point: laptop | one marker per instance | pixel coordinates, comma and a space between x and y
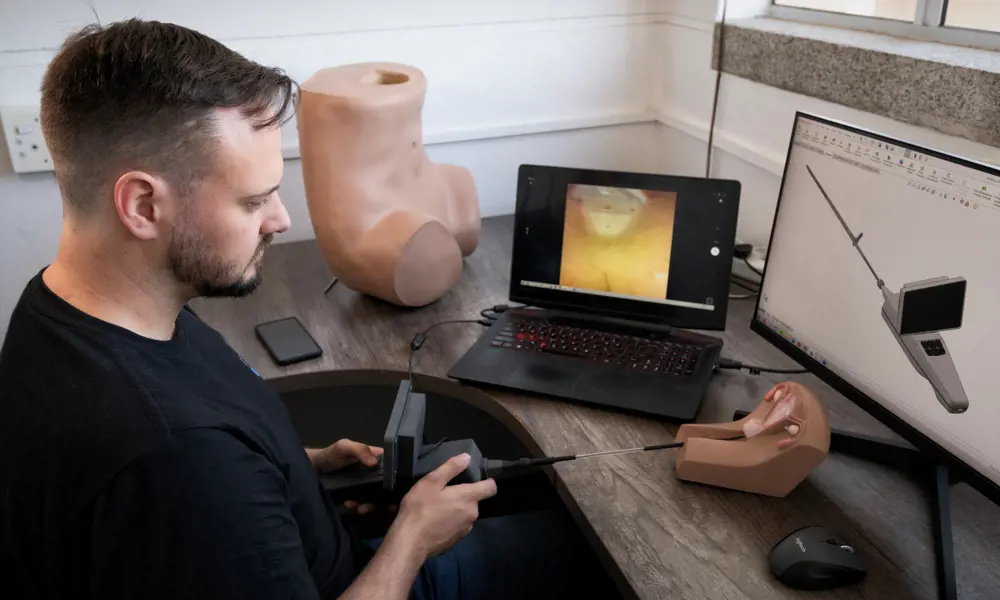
622, 275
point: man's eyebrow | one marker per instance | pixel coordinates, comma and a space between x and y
262, 194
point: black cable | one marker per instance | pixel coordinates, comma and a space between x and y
727, 363
427, 451
718, 86
753, 268
421, 337
745, 286
497, 310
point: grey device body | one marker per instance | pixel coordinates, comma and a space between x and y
937, 366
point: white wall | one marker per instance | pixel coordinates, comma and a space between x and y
754, 121
554, 82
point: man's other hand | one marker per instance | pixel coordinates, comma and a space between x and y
343, 453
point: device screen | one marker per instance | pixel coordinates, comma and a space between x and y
288, 341
934, 308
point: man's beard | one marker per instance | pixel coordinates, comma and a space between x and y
194, 264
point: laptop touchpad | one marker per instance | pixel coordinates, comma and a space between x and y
614, 380
546, 375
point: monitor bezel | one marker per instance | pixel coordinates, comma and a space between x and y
960, 470
662, 314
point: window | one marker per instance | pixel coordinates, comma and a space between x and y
964, 22
973, 14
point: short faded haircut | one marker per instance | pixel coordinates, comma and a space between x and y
141, 95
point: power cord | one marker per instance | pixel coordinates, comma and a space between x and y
727, 363
427, 451
746, 261
421, 337
494, 312
718, 85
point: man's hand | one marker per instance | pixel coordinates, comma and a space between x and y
435, 515
343, 453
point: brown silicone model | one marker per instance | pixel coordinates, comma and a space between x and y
390, 223
787, 436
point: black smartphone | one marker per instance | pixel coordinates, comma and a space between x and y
287, 341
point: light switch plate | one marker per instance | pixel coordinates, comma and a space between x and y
22, 128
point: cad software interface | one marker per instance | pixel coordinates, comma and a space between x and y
884, 267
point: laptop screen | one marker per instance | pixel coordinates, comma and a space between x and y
653, 247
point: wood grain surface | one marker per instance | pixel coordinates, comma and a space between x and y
661, 538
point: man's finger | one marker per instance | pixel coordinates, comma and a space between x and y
359, 451
364, 509
479, 490
376, 450
350, 504
449, 469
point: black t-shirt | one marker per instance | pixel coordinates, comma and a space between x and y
137, 468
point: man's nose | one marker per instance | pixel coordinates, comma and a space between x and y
278, 221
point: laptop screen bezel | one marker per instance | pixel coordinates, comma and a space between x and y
663, 314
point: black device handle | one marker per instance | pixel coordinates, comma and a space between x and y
366, 484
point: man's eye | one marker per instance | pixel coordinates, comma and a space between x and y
253, 205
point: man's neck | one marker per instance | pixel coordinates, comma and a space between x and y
108, 285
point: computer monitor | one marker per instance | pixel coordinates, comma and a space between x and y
882, 278
635, 245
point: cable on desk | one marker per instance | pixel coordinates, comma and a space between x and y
746, 286
493, 312
421, 337
727, 363
753, 268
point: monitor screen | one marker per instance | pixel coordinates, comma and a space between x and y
882, 274
636, 245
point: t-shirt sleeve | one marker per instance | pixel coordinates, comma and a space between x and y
200, 516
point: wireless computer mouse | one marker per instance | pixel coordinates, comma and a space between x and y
815, 558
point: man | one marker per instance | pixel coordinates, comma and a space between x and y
139, 456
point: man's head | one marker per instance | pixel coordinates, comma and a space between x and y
165, 140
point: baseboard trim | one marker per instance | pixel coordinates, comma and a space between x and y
501, 130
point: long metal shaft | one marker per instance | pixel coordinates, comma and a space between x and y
855, 240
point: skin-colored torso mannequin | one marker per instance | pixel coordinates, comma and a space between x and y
390, 222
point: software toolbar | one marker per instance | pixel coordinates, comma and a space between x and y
928, 175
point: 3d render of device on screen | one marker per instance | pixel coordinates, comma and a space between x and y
916, 316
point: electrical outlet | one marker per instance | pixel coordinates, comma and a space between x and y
22, 128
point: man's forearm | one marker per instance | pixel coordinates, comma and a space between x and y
391, 572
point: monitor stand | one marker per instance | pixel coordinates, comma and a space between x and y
938, 483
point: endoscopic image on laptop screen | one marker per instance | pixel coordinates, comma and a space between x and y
617, 241
630, 243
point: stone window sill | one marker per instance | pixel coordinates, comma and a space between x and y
950, 89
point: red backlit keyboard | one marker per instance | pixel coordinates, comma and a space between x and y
634, 352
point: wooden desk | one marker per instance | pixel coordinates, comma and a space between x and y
660, 537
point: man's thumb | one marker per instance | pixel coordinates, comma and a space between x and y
449, 469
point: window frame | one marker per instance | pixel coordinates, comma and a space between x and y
927, 24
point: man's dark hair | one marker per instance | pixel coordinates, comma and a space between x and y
140, 95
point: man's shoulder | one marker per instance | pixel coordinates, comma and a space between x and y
61, 379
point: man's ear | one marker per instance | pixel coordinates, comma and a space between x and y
141, 202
